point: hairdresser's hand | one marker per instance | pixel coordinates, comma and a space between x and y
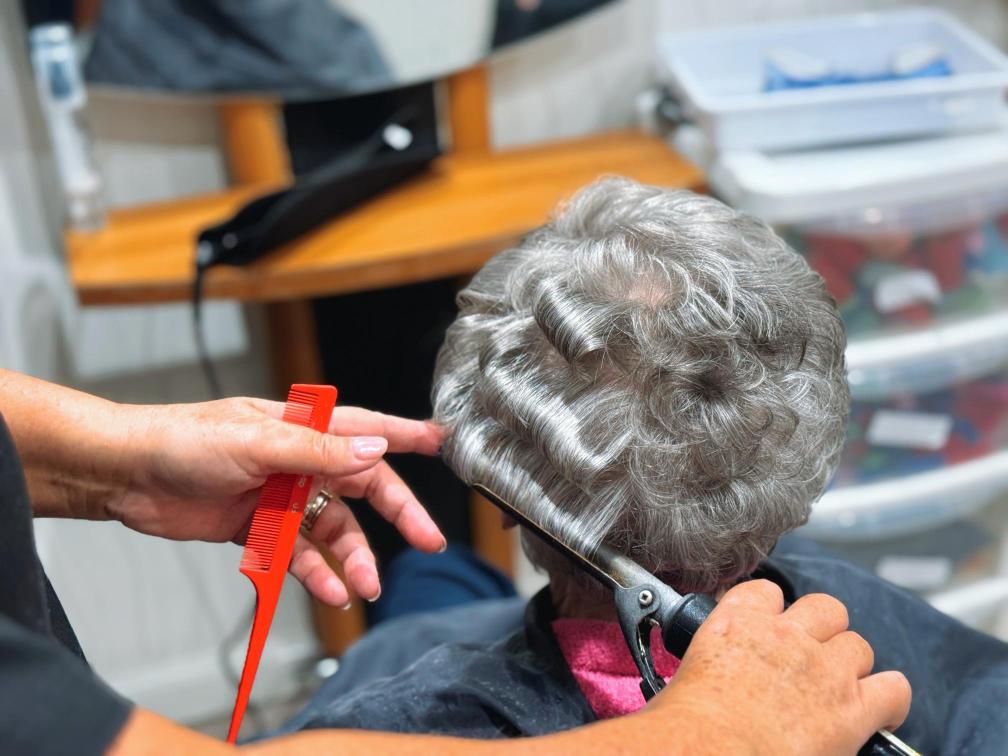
769, 681
192, 471
197, 469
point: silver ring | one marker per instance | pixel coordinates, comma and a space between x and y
314, 510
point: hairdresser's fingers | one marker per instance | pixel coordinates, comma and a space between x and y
283, 447
419, 436
394, 501
337, 528
310, 567
848, 650
886, 696
821, 616
753, 595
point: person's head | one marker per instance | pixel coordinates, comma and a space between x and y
651, 369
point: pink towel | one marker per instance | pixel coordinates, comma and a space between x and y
601, 663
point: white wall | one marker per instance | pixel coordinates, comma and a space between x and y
425, 40
167, 606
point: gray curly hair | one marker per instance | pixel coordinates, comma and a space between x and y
651, 369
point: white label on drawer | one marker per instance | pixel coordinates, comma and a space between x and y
910, 430
904, 289
915, 573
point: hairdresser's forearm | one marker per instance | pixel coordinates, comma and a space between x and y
151, 735
638, 734
75, 447
148, 734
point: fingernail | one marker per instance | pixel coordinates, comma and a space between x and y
345, 606
368, 447
377, 596
444, 547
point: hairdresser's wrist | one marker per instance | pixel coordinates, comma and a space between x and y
76, 449
701, 724
83, 472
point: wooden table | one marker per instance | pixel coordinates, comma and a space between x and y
445, 222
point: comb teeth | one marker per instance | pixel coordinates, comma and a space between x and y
274, 502
309, 406
300, 407
275, 494
298, 413
301, 394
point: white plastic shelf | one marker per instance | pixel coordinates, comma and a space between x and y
914, 503
917, 362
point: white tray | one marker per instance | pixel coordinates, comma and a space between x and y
718, 75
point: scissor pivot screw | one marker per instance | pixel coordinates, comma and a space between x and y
645, 597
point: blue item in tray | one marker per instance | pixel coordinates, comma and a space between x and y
790, 69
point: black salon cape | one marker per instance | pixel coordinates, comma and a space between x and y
521, 686
51, 703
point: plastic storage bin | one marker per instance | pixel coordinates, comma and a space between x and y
720, 77
913, 273
915, 462
919, 433
911, 238
962, 553
958, 567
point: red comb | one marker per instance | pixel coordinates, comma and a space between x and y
271, 537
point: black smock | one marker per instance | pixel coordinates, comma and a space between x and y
480, 687
50, 700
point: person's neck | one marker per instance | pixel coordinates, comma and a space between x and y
570, 600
